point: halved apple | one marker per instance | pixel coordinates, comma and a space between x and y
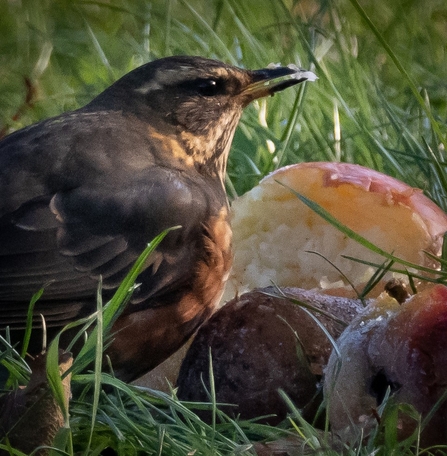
278, 239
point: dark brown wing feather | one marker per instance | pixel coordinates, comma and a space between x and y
82, 195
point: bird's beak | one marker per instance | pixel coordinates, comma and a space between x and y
273, 79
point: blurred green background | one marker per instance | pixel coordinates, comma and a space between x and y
361, 109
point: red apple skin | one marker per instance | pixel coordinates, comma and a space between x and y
403, 345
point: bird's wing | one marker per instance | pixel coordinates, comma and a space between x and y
64, 225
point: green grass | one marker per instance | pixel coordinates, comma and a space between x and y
380, 101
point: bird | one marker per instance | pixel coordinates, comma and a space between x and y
83, 193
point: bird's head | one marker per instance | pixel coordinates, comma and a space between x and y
197, 100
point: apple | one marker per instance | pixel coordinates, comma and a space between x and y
399, 348
261, 342
278, 239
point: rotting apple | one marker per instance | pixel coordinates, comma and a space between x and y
400, 348
263, 341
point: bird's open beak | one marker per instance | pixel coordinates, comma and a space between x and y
273, 79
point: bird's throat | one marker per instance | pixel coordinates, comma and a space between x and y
210, 150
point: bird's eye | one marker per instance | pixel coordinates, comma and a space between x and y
209, 87
206, 87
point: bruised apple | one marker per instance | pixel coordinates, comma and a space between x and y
278, 239
262, 342
400, 349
